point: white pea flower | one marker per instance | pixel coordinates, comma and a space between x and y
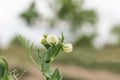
68, 47
52, 39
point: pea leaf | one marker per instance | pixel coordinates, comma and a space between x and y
51, 53
46, 70
56, 75
3, 69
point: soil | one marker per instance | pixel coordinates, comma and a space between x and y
75, 72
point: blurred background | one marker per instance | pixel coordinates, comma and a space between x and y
92, 26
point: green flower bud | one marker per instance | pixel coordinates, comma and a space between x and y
43, 41
45, 35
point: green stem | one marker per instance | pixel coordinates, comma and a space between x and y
34, 62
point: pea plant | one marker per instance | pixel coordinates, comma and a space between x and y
53, 46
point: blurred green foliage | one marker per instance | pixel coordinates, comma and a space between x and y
16, 41
116, 31
85, 41
70, 10
30, 15
75, 14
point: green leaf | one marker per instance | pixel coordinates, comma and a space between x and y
40, 56
56, 75
6, 77
51, 53
22, 40
62, 37
29, 47
46, 70
3, 69
26, 44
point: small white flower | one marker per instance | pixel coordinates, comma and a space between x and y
52, 39
68, 47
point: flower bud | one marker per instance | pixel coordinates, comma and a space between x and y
52, 39
43, 40
68, 47
45, 35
